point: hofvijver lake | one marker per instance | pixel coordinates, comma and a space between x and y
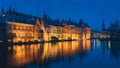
75, 54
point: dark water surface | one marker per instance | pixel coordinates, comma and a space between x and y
75, 54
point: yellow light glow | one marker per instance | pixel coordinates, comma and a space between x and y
31, 32
9, 48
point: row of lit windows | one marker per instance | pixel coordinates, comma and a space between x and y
24, 34
18, 27
28, 36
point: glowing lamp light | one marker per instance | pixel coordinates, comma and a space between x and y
3, 15
9, 48
1, 41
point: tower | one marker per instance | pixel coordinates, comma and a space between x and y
44, 14
103, 26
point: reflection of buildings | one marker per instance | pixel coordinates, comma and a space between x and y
19, 27
115, 49
45, 53
1, 36
111, 48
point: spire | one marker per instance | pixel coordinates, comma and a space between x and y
103, 26
44, 13
81, 23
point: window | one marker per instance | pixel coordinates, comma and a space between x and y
18, 27
22, 27
18, 34
14, 27
26, 28
30, 34
31, 29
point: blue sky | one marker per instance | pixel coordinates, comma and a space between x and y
91, 11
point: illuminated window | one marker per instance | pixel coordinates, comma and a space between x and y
36, 29
18, 27
14, 27
22, 27
26, 28
18, 34
31, 29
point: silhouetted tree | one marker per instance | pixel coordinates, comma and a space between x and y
2, 10
10, 10
115, 29
14, 10
58, 22
81, 24
86, 24
69, 21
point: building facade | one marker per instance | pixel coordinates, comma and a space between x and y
21, 32
19, 27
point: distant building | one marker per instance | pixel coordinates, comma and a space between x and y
103, 26
105, 33
96, 34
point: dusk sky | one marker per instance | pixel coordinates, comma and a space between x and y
91, 11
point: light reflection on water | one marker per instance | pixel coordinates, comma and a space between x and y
47, 53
